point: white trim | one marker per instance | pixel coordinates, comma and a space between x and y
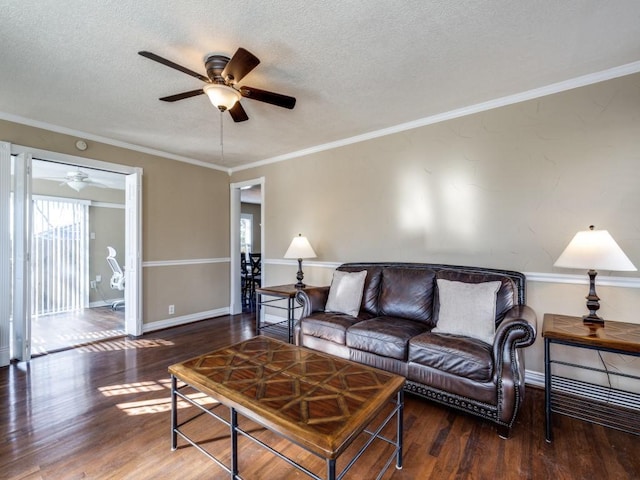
558, 87
188, 261
184, 319
542, 277
535, 379
74, 160
601, 280
50, 198
120, 206
306, 263
107, 141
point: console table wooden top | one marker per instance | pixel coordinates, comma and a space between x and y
612, 335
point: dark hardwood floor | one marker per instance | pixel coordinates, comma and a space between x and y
101, 411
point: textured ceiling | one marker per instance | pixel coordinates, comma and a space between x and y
355, 67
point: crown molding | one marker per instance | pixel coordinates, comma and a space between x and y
558, 87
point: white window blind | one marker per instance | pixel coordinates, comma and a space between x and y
60, 251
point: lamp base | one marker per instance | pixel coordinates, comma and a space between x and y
300, 275
591, 319
593, 301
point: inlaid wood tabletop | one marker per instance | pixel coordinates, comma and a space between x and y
318, 400
620, 336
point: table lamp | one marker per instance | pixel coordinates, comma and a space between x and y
300, 248
593, 249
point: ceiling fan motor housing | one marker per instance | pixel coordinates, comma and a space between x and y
215, 65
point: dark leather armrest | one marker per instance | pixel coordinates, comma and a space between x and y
312, 299
517, 329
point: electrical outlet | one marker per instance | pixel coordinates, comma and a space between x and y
172, 309
92, 283
98, 278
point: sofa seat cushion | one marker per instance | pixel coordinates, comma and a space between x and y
328, 326
384, 336
454, 354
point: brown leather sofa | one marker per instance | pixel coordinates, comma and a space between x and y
392, 331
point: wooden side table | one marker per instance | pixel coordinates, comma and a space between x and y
594, 403
277, 294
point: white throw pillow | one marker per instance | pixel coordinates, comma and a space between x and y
345, 293
467, 309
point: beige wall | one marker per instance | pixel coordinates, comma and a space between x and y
185, 212
505, 188
108, 226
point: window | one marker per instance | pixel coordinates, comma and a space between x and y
60, 258
246, 232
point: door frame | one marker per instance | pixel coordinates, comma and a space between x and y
133, 226
235, 300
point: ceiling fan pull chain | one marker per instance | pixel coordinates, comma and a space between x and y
221, 139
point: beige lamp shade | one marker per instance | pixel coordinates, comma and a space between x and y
596, 250
300, 248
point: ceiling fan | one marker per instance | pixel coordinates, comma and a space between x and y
78, 180
223, 74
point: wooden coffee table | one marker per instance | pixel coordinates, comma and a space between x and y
317, 401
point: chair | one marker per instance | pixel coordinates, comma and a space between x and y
117, 279
244, 281
255, 276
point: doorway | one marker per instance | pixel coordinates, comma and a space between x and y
78, 213
15, 323
247, 208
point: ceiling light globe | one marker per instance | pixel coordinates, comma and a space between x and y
221, 96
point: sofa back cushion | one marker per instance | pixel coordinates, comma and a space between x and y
371, 286
506, 297
407, 293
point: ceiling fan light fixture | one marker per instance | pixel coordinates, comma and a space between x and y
221, 96
77, 185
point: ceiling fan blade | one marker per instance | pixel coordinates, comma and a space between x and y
278, 99
169, 63
238, 113
240, 64
183, 95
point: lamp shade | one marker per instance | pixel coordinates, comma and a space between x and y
596, 250
221, 96
300, 248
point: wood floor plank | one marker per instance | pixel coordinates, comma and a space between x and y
101, 411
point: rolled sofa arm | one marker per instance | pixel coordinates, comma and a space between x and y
517, 329
312, 299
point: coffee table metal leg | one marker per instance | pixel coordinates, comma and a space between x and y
331, 469
174, 413
258, 300
233, 420
400, 429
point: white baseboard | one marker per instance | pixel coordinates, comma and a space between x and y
535, 379
184, 319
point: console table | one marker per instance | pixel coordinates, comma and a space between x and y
594, 403
277, 294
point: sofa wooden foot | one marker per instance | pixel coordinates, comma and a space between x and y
504, 431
